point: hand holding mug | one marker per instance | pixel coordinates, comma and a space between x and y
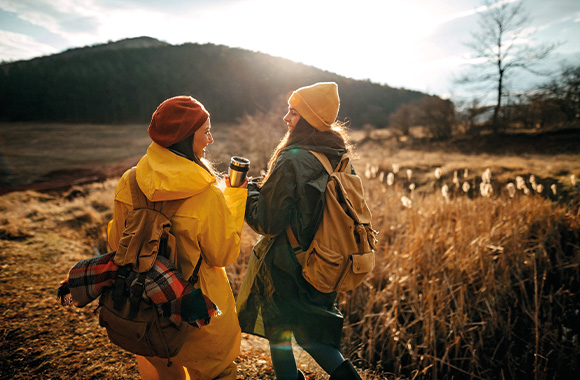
237, 172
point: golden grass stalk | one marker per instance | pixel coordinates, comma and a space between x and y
477, 288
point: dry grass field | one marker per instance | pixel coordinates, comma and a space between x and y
41, 156
477, 271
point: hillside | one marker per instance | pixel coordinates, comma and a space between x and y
124, 81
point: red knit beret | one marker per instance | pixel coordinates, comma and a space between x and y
175, 119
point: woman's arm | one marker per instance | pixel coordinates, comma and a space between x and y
220, 231
271, 208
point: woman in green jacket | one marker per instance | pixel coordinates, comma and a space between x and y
275, 301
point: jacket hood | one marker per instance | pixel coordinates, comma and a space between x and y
163, 175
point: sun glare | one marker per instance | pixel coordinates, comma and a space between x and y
331, 35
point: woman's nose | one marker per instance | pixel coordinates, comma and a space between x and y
210, 139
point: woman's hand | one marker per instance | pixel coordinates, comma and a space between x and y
242, 186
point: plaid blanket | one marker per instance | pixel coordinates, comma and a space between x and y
164, 286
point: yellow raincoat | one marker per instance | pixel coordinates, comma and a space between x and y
208, 222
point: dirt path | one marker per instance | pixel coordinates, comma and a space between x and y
41, 237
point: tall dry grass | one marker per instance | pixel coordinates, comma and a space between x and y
482, 288
465, 286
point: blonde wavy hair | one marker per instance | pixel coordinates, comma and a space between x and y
306, 134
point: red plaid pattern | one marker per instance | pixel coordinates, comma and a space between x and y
164, 286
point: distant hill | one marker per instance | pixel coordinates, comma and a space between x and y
128, 43
124, 81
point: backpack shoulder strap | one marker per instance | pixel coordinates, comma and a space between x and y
168, 208
292, 239
323, 160
343, 164
139, 199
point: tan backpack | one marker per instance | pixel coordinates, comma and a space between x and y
132, 323
342, 251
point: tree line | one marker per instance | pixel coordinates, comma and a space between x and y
553, 105
121, 85
502, 47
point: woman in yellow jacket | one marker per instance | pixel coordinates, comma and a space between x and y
208, 223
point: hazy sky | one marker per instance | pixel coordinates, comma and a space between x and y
415, 44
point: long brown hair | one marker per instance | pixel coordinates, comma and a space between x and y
305, 134
184, 149
208, 166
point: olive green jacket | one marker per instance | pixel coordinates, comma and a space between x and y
274, 296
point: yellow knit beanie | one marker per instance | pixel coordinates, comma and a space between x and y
318, 104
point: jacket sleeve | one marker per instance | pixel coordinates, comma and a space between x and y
236, 201
120, 211
220, 233
117, 224
271, 208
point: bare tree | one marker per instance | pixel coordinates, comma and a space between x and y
437, 115
470, 115
501, 48
564, 90
403, 118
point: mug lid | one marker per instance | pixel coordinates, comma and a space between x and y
240, 161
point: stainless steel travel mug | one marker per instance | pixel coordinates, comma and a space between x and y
239, 167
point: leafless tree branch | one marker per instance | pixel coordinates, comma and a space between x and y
499, 45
